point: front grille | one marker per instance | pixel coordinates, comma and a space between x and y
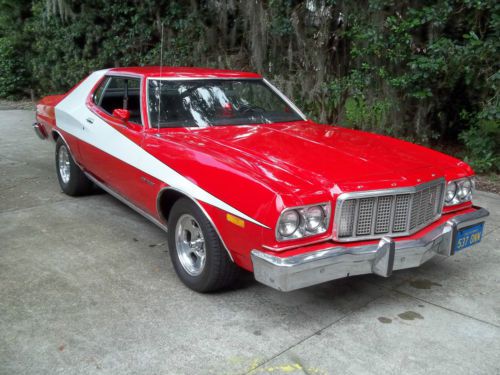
394, 212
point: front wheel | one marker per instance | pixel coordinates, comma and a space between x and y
198, 256
71, 178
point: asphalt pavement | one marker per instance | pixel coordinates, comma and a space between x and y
86, 287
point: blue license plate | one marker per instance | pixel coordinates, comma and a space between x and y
469, 236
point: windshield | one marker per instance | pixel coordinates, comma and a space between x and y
215, 102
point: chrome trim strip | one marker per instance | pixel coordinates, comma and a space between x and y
404, 190
150, 125
285, 98
118, 196
303, 270
383, 192
158, 211
111, 72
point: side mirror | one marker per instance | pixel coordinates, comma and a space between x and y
122, 114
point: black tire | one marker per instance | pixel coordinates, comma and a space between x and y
219, 271
76, 184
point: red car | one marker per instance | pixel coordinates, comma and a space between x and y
243, 179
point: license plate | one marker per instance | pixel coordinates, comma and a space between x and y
469, 236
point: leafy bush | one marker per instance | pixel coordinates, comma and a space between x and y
482, 140
8, 77
425, 71
482, 150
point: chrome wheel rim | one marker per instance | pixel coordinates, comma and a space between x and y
64, 165
190, 245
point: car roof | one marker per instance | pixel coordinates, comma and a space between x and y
182, 72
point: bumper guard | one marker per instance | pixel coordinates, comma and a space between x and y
300, 271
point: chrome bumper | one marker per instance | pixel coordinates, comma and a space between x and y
316, 267
39, 130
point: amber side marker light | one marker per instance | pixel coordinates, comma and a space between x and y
235, 220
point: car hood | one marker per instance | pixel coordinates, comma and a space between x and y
335, 157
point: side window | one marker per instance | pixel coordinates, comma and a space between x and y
120, 93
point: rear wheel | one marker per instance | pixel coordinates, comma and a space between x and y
199, 258
71, 178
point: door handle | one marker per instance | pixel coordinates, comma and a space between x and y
90, 120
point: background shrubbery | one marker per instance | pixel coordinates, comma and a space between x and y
427, 71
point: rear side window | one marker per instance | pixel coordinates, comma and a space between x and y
120, 93
123, 83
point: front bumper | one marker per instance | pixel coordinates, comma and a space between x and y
299, 271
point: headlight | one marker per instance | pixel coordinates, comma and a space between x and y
314, 217
288, 223
465, 189
451, 191
299, 222
459, 191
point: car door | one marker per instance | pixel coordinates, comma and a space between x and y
112, 156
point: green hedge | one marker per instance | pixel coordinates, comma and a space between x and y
426, 71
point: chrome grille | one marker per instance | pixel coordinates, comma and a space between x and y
384, 208
395, 212
401, 212
365, 216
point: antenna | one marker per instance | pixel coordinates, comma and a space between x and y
160, 80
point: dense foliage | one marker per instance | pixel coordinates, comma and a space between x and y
423, 70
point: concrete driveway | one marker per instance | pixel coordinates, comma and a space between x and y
86, 286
